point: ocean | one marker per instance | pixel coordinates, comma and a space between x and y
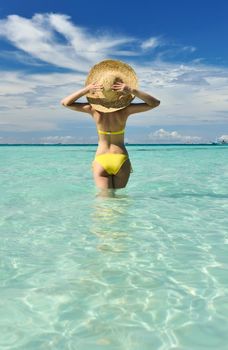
143, 269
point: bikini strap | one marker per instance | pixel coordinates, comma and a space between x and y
101, 132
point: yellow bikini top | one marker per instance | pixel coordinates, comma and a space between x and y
101, 132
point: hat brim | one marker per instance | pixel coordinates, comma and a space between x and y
102, 105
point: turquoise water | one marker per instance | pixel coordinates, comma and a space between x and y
145, 269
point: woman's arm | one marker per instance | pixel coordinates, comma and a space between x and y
69, 101
149, 101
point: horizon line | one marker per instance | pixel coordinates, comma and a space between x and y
127, 144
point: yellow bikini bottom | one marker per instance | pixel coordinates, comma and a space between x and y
111, 162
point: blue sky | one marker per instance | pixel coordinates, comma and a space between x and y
178, 49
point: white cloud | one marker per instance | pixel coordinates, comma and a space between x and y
162, 135
31, 102
57, 139
151, 43
189, 48
189, 94
40, 38
67, 139
223, 138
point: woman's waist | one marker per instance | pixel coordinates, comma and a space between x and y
115, 149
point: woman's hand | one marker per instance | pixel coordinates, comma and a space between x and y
121, 87
94, 87
70, 100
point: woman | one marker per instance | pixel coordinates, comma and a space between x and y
110, 88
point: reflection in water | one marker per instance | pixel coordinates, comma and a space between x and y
110, 212
107, 193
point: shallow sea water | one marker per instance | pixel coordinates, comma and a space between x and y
144, 269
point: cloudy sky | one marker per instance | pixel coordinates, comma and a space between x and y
178, 49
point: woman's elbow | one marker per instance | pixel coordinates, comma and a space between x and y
155, 103
63, 103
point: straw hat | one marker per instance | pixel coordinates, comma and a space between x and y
107, 73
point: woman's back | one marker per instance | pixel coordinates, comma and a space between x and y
110, 128
113, 121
